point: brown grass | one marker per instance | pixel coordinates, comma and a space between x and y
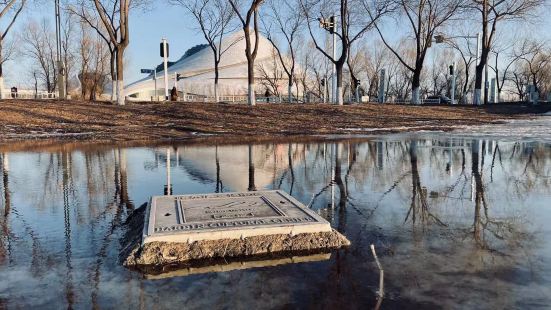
78, 121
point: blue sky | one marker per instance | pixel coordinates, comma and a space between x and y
146, 30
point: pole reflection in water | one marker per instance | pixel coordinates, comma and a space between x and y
67, 210
252, 186
5, 204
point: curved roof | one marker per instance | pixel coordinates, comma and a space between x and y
198, 69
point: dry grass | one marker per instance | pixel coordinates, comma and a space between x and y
77, 120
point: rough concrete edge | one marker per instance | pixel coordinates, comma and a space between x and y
165, 253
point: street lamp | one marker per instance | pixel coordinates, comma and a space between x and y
330, 25
60, 66
164, 54
440, 38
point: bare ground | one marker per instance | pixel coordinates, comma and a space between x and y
104, 122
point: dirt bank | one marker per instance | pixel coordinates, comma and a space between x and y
85, 121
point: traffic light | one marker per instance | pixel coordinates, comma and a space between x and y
163, 50
323, 82
332, 24
452, 70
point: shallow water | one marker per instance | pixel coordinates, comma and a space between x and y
458, 222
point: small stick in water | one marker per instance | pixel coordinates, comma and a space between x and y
381, 292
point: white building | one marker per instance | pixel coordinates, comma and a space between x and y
197, 71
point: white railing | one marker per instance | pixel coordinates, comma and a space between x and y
408, 101
28, 94
431, 101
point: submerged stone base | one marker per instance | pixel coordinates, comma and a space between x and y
165, 253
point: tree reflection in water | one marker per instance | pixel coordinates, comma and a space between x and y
64, 211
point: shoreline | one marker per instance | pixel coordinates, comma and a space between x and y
42, 122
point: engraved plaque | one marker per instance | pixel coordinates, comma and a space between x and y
189, 218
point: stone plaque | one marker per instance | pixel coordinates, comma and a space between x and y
190, 218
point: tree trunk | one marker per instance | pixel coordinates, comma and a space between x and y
120, 78
465, 85
1, 76
114, 76
251, 97
415, 85
216, 77
290, 90
477, 100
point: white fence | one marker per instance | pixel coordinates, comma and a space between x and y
27, 94
408, 101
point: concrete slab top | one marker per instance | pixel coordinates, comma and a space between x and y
190, 218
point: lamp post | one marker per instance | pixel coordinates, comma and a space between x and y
440, 38
452, 77
164, 54
60, 65
331, 26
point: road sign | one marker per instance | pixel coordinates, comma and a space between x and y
146, 71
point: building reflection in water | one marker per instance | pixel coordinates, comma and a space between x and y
430, 216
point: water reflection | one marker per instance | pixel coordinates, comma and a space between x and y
456, 221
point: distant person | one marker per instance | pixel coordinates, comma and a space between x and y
174, 94
267, 95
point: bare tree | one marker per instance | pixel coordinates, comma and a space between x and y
520, 77
493, 13
7, 7
466, 52
247, 15
68, 48
357, 66
538, 63
94, 59
114, 15
39, 45
502, 66
85, 11
288, 22
377, 57
425, 18
353, 25
271, 74
215, 21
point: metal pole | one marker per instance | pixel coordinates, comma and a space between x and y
168, 181
486, 83
165, 60
155, 79
452, 91
334, 77
57, 30
60, 65
477, 60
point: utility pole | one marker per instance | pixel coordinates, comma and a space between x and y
334, 76
60, 65
155, 81
164, 54
331, 26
